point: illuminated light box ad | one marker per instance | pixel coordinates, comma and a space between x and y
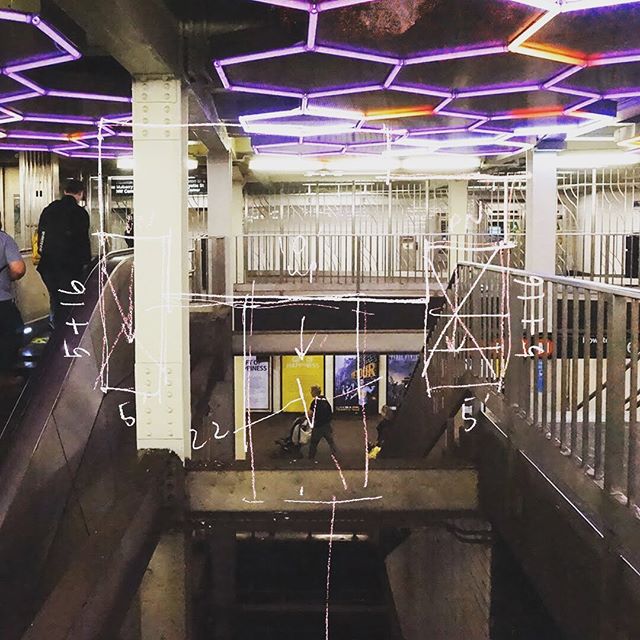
310, 371
347, 374
400, 367
258, 383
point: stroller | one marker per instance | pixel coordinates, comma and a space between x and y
299, 435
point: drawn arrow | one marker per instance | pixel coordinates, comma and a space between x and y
302, 352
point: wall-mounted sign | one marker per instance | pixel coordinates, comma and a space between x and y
400, 368
258, 383
309, 371
356, 383
123, 187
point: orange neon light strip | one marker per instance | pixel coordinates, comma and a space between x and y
537, 112
550, 53
403, 112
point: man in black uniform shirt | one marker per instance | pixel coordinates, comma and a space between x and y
321, 413
64, 245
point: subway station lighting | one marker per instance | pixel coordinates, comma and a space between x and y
596, 159
355, 164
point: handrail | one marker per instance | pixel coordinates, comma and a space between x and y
562, 280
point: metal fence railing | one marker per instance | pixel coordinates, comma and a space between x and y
564, 351
610, 258
362, 260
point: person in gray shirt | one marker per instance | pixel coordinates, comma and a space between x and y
12, 268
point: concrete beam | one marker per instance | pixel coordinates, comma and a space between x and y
326, 342
142, 35
407, 490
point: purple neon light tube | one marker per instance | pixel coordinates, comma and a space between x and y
423, 91
357, 55
454, 54
59, 119
262, 55
421, 133
57, 37
627, 93
45, 61
393, 75
23, 147
26, 82
269, 91
313, 29
37, 135
342, 91
467, 115
496, 91
562, 76
222, 75
77, 95
327, 5
15, 16
575, 92
16, 97
289, 4
618, 58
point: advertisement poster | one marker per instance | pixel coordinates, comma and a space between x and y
310, 371
400, 368
257, 380
346, 395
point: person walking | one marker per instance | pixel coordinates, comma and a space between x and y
12, 268
321, 413
64, 246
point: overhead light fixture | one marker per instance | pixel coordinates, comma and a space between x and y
125, 162
441, 163
283, 164
596, 159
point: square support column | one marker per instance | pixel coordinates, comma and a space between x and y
162, 368
224, 210
542, 207
458, 223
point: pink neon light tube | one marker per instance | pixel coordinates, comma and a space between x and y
26, 82
457, 54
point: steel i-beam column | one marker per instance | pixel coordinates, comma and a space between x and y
161, 265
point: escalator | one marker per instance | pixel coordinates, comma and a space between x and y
64, 452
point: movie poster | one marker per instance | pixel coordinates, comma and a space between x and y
309, 371
400, 368
347, 396
257, 381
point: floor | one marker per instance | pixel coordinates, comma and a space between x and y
348, 431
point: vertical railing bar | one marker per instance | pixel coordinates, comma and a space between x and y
564, 368
553, 426
586, 374
632, 471
597, 435
574, 374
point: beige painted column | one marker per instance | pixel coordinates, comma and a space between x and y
163, 414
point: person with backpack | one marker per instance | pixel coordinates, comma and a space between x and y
64, 247
321, 413
12, 268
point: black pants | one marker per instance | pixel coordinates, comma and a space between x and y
322, 431
10, 334
58, 280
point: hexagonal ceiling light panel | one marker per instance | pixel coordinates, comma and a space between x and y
495, 74
41, 117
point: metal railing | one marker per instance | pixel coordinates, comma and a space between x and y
564, 353
609, 258
361, 260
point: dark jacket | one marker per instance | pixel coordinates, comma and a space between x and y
321, 412
63, 236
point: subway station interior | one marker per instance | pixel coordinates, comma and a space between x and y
425, 213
